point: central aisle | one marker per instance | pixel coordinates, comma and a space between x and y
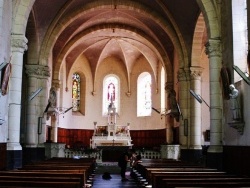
115, 181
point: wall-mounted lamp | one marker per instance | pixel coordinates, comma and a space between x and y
35, 94
67, 110
242, 74
198, 97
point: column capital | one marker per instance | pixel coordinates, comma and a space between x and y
19, 43
38, 71
213, 48
183, 74
195, 72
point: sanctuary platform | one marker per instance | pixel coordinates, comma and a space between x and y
111, 139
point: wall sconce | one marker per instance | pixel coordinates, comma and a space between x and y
242, 74
198, 98
35, 93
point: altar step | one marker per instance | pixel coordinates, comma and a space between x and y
115, 181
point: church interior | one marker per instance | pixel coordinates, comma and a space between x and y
169, 79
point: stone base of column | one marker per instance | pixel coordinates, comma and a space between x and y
170, 152
215, 160
54, 150
33, 154
195, 156
14, 159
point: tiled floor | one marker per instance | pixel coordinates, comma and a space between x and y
115, 181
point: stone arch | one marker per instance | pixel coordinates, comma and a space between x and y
140, 33
57, 29
21, 13
198, 43
211, 17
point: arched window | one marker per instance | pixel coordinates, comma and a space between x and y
163, 92
76, 92
144, 100
111, 90
240, 37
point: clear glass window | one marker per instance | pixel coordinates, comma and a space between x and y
144, 100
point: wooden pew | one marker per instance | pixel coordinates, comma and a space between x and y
149, 170
52, 173
44, 174
142, 167
35, 184
154, 177
206, 183
171, 174
158, 178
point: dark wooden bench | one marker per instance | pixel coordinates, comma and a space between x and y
207, 183
172, 174
34, 184
143, 168
149, 171
44, 174
52, 173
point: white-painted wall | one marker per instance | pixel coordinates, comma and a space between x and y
93, 104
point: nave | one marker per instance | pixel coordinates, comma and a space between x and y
149, 173
115, 181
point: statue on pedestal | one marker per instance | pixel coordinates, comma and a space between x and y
235, 106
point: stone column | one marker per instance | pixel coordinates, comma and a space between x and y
195, 109
18, 46
35, 132
213, 50
55, 119
183, 78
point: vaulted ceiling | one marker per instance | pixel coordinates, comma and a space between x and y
125, 29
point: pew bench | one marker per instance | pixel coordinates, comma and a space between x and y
205, 183
36, 184
156, 177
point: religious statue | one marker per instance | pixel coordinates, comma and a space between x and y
235, 106
52, 97
174, 110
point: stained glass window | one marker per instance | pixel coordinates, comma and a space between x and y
110, 92
76, 92
144, 101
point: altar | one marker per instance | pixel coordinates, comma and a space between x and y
111, 153
111, 134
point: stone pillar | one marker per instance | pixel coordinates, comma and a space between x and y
195, 109
213, 50
183, 78
37, 77
55, 118
18, 46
